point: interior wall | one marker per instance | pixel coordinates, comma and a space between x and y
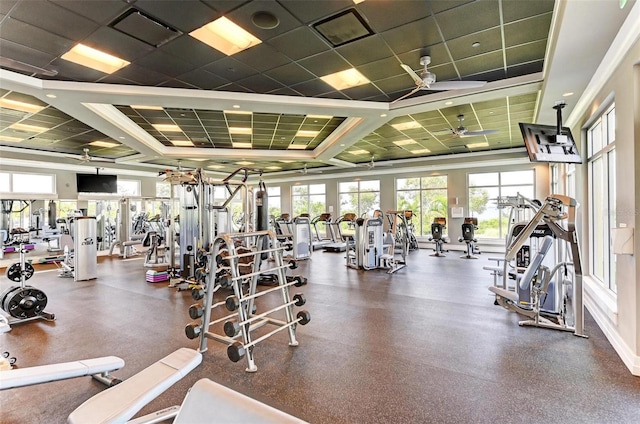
618, 316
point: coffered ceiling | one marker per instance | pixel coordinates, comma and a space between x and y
269, 105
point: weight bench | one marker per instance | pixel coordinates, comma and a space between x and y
98, 368
119, 403
206, 401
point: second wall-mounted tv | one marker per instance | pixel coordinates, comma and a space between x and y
94, 183
544, 144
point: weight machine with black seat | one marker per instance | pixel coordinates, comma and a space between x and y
23, 303
469, 228
438, 237
565, 310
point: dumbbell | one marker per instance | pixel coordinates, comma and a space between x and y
232, 328
232, 302
192, 330
237, 350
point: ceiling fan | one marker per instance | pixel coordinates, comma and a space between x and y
372, 164
427, 80
85, 157
462, 131
306, 171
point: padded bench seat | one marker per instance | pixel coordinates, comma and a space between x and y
45, 373
119, 403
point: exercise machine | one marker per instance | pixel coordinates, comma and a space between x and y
205, 400
566, 312
340, 245
295, 236
469, 228
319, 241
438, 237
23, 303
155, 256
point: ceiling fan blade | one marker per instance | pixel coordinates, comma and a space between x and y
483, 132
456, 85
411, 72
6, 62
415, 90
106, 160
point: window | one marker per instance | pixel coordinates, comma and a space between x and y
555, 183
5, 182
602, 196
309, 199
426, 197
163, 189
27, 183
128, 187
570, 180
359, 197
485, 188
274, 202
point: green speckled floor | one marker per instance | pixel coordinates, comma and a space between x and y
424, 345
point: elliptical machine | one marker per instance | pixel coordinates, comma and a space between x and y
23, 303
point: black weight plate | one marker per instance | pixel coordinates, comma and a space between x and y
6, 296
13, 272
26, 303
28, 270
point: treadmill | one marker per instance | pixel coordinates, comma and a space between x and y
319, 241
340, 245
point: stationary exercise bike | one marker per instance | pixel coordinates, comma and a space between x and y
23, 303
437, 235
469, 227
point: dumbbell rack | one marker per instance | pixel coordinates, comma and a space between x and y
241, 255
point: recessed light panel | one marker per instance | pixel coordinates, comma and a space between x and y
167, 127
405, 142
21, 106
94, 59
240, 130
28, 128
472, 145
225, 36
102, 143
306, 133
406, 125
345, 79
181, 143
358, 152
241, 145
10, 139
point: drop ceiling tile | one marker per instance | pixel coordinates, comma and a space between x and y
299, 43
289, 74
142, 76
165, 63
383, 16
75, 72
118, 44
203, 79
514, 10
416, 35
485, 62
324, 63
526, 53
101, 11
55, 19
191, 50
243, 16
365, 50
310, 11
462, 47
525, 69
230, 69
262, 57
527, 30
34, 37
185, 16
176, 83
469, 18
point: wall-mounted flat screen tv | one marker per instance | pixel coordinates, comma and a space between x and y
93, 183
544, 144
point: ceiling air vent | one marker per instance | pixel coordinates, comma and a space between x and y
144, 28
343, 28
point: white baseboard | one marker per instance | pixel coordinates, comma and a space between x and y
606, 318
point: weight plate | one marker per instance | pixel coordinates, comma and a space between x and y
6, 297
14, 272
26, 302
